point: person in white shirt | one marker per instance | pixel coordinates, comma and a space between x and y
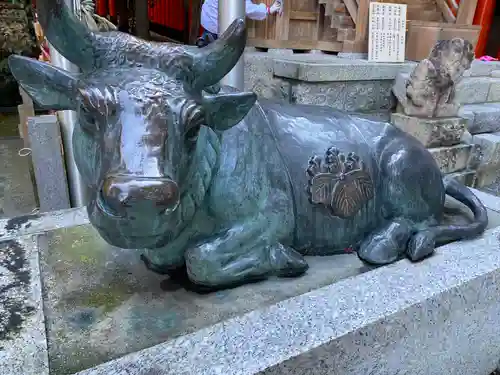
210, 15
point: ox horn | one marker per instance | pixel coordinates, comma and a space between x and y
213, 62
66, 33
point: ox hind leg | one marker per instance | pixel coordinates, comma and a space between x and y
387, 244
414, 196
246, 252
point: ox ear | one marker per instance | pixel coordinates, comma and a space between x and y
50, 87
225, 111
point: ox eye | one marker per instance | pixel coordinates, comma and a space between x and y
192, 119
90, 122
192, 134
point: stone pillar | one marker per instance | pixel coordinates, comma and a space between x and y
48, 163
229, 10
77, 189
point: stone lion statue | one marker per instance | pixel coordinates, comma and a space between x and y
430, 90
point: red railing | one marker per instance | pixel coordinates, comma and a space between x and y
485, 12
483, 16
168, 13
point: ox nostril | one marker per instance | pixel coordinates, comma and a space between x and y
110, 198
164, 195
122, 194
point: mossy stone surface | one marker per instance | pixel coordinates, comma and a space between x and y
101, 302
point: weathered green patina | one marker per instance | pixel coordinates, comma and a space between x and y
219, 189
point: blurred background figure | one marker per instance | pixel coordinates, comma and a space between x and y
210, 15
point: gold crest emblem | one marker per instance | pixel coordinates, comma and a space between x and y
339, 182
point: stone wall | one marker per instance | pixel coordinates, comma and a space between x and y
348, 84
468, 149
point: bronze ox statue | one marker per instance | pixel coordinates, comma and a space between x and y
219, 189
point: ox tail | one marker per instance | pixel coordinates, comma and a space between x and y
423, 242
448, 233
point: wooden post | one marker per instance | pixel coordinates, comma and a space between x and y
123, 15
195, 21
142, 19
466, 11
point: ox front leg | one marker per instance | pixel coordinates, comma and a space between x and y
246, 252
387, 244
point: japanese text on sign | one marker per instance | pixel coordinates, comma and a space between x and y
387, 31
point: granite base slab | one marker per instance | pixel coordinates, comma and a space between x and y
439, 316
102, 307
102, 303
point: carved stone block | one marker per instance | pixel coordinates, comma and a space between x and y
431, 132
351, 96
429, 91
451, 159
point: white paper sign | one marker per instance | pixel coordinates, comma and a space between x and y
387, 32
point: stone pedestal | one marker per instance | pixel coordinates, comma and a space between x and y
103, 313
431, 132
447, 140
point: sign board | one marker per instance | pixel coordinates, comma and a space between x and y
387, 32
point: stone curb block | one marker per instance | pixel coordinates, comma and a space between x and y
483, 68
23, 349
494, 93
474, 90
319, 69
489, 144
481, 118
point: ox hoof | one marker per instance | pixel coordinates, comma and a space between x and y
162, 270
421, 246
386, 245
380, 253
287, 262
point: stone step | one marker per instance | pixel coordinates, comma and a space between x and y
327, 68
489, 149
473, 90
470, 90
481, 118
487, 177
483, 68
452, 158
467, 177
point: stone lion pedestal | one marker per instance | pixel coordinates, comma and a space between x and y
428, 110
